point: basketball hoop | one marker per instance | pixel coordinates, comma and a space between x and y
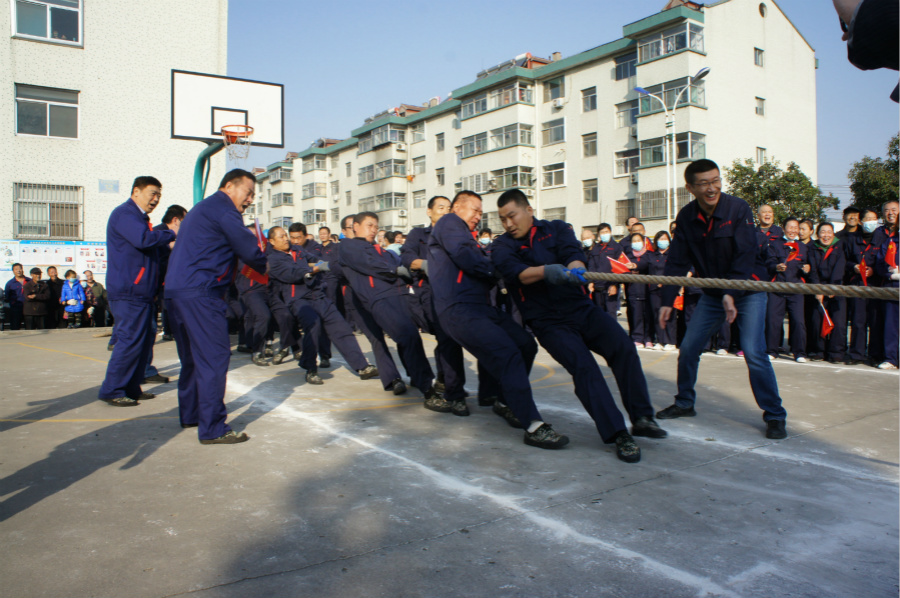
237, 140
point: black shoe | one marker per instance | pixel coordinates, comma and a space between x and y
157, 378
168, 337
506, 413
855, 362
368, 372
436, 402
626, 448
440, 387
110, 347
270, 351
280, 356
487, 401
775, 429
228, 438
674, 411
324, 363
297, 355
835, 361
122, 402
313, 378
815, 357
459, 407
185, 426
645, 426
259, 360
146, 396
398, 387
546, 437
244, 349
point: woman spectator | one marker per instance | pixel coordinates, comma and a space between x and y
73, 298
827, 264
37, 293
605, 294
665, 337
640, 317
806, 231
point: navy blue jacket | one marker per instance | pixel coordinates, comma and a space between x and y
459, 269
416, 248
721, 246
548, 242
781, 253
210, 240
882, 268
287, 275
133, 254
858, 249
164, 253
370, 270
15, 292
773, 234
638, 290
597, 260
830, 269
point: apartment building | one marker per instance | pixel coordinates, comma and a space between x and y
573, 132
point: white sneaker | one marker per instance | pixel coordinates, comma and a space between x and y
771, 358
887, 365
657, 347
801, 359
669, 348
721, 352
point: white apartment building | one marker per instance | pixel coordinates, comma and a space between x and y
573, 132
86, 98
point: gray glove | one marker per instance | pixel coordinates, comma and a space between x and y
403, 272
323, 266
424, 267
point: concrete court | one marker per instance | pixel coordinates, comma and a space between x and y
345, 490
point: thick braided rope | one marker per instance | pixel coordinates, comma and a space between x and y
891, 294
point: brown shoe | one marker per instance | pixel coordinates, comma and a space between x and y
228, 438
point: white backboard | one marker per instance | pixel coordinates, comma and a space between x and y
203, 103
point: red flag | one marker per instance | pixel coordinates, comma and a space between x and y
795, 251
891, 255
254, 275
827, 324
679, 303
862, 272
624, 258
618, 267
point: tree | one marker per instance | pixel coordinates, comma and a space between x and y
873, 181
789, 192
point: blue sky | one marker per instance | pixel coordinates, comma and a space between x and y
343, 61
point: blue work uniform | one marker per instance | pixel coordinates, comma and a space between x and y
859, 250
372, 273
664, 336
254, 296
203, 263
828, 266
794, 256
889, 309
638, 312
774, 233
722, 245
132, 283
569, 325
598, 261
461, 278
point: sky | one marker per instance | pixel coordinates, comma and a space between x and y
344, 61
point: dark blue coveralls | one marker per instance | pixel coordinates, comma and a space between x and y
828, 266
132, 282
890, 308
288, 272
597, 261
372, 274
448, 354
315, 253
640, 316
461, 279
569, 326
664, 336
859, 250
255, 298
795, 257
201, 268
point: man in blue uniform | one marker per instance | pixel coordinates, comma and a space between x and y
716, 236
606, 294
461, 279
201, 268
132, 283
540, 262
788, 260
767, 226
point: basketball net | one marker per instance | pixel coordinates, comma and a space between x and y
237, 140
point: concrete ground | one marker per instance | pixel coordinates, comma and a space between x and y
345, 490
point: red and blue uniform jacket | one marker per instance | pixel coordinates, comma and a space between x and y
287, 275
416, 248
370, 269
134, 253
458, 267
827, 266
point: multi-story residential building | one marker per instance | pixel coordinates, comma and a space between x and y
574, 133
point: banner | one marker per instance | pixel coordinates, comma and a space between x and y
64, 255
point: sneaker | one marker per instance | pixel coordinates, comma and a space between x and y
270, 351
669, 348
801, 359
368, 372
487, 401
398, 387
815, 357
122, 402
440, 387
658, 347
674, 411
244, 349
280, 356
157, 378
775, 429
648, 345
546, 437
146, 396
313, 378
722, 352
626, 448
506, 413
297, 355
324, 363
230, 437
260, 360
740, 353
459, 407
436, 402
645, 426
886, 365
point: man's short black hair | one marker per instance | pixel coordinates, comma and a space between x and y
464, 193
51, 268
638, 222
391, 235
297, 227
272, 231
237, 173
361, 217
86, 271
851, 210
696, 167
629, 218
17, 264
788, 219
866, 211
486, 230
513, 195
70, 272
174, 211
321, 228
603, 225
35, 270
347, 222
434, 199
145, 181
887, 202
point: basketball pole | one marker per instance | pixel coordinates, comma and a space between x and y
202, 166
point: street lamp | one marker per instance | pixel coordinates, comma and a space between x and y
670, 133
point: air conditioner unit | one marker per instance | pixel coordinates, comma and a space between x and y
634, 178
634, 131
559, 102
492, 184
401, 213
401, 147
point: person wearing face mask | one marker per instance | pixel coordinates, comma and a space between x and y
637, 305
887, 267
665, 336
788, 261
73, 298
606, 294
485, 238
827, 266
860, 253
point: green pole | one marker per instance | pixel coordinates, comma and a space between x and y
202, 165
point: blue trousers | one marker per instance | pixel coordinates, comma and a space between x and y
891, 314
307, 319
640, 316
664, 336
387, 369
200, 328
338, 331
707, 318
570, 337
392, 315
602, 299
857, 320
795, 306
836, 344
504, 350
448, 355
256, 320
135, 334
287, 327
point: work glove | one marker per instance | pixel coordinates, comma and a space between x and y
403, 273
557, 274
323, 266
424, 267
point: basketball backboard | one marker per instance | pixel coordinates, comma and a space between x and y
203, 103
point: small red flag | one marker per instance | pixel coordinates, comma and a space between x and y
891, 255
624, 258
254, 275
618, 267
679, 303
862, 272
827, 324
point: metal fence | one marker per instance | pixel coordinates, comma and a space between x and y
48, 211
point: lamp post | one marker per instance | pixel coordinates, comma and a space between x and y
670, 134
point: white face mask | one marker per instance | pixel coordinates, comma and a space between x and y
605, 237
637, 246
587, 242
870, 225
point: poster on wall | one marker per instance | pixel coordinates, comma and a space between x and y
9, 254
64, 255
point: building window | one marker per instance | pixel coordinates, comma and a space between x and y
282, 199
491, 220
389, 168
760, 155
439, 142
419, 199
627, 162
47, 211
284, 222
335, 215
334, 162
589, 99
591, 192
348, 169
335, 188
417, 132
760, 106
474, 107
553, 89
670, 90
439, 174
474, 144
497, 98
555, 175
681, 37
419, 165
366, 175
626, 114
652, 204
349, 198
626, 66
555, 214
511, 178
313, 216
390, 201
476, 182
688, 146
554, 131
281, 174
510, 135
388, 134
46, 111
759, 57
313, 163
52, 20
589, 145
314, 190
364, 145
